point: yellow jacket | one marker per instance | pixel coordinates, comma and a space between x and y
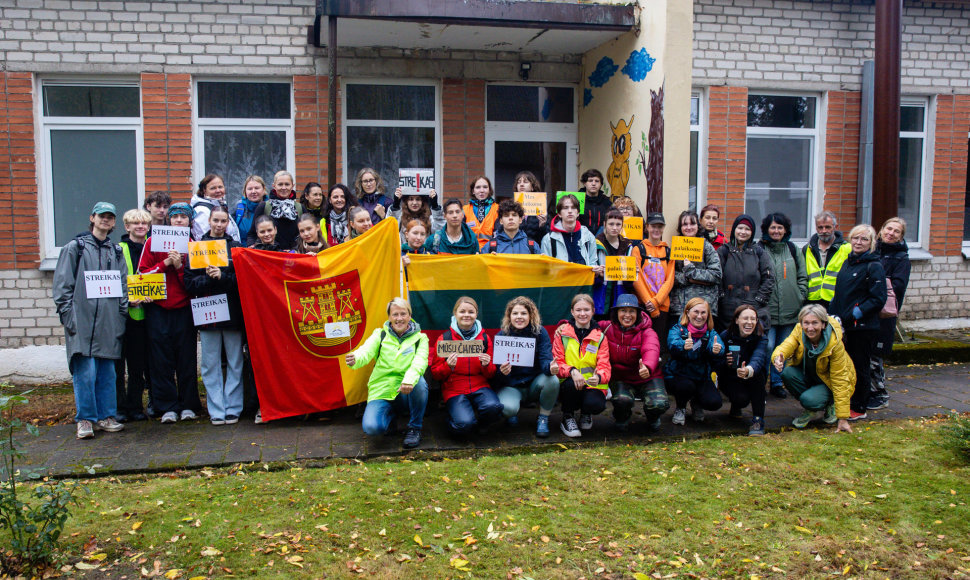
833, 366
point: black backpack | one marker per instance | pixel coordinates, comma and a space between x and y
493, 246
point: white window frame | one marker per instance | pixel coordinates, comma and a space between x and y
814, 134
45, 170
701, 128
346, 123
924, 185
966, 242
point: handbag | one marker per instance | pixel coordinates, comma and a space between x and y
890, 309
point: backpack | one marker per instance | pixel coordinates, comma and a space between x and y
493, 246
119, 253
638, 244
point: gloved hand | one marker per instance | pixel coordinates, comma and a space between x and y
856, 312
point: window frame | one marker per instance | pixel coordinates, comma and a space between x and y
966, 240
49, 250
700, 199
924, 185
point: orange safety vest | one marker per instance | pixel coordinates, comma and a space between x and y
486, 227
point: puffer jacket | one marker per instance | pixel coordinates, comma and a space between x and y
701, 280
522, 376
746, 277
469, 374
567, 363
400, 360
895, 263
791, 280
631, 346
93, 327
833, 366
200, 223
861, 282
695, 364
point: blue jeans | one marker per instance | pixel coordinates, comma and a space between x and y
380, 413
543, 388
95, 395
222, 398
776, 335
462, 410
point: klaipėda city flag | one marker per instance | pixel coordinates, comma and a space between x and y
287, 301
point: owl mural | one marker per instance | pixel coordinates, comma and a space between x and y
618, 174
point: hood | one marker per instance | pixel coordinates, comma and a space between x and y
886, 249
467, 238
862, 258
503, 236
274, 195
556, 226
251, 205
750, 221
457, 332
413, 328
839, 240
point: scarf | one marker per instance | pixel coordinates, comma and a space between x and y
283, 208
696, 332
465, 334
481, 207
338, 225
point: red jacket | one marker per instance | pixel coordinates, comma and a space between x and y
469, 374
629, 347
153, 263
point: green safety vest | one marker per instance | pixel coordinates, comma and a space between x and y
821, 281
135, 312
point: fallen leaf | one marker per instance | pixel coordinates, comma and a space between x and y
136, 526
804, 530
210, 551
86, 566
295, 560
417, 540
173, 574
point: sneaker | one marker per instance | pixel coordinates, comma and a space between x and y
139, 417
802, 421
110, 425
150, 411
779, 391
697, 414
542, 426
217, 421
680, 417
232, 419
830, 416
585, 422
569, 427
412, 438
655, 425
878, 403
757, 427
512, 421
853, 416
170, 417
85, 430
188, 415
259, 417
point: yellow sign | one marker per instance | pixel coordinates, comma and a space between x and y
147, 286
209, 253
687, 248
621, 269
633, 227
534, 202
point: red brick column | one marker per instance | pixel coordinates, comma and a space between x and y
727, 150
310, 96
842, 129
463, 134
167, 119
19, 222
949, 174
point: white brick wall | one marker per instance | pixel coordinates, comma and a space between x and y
27, 315
938, 289
821, 45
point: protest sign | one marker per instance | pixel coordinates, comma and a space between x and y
168, 238
147, 286
533, 202
210, 309
208, 253
415, 181
621, 269
516, 351
687, 248
633, 227
580, 195
464, 348
102, 284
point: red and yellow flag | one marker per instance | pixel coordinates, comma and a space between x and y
292, 305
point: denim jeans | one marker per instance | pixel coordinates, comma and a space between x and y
465, 412
380, 413
94, 387
543, 388
776, 335
222, 397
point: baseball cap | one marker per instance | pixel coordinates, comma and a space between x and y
104, 207
655, 218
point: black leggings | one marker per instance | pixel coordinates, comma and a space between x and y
858, 345
588, 401
702, 392
741, 392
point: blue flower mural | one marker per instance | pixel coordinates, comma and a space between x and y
605, 69
638, 64
587, 97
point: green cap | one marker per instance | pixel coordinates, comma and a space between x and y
104, 207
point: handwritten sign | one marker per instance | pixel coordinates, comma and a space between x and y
633, 227
168, 238
533, 202
464, 348
210, 309
580, 195
516, 351
687, 248
102, 284
415, 181
208, 253
142, 286
621, 269
337, 329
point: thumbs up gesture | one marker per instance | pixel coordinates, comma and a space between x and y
644, 371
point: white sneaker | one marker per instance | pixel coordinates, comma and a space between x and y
85, 429
170, 417
585, 422
680, 417
217, 421
259, 417
109, 424
188, 415
569, 427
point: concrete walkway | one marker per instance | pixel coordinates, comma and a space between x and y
150, 446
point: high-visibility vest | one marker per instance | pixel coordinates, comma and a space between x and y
484, 228
135, 312
585, 361
821, 281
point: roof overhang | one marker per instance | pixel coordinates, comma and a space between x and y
490, 25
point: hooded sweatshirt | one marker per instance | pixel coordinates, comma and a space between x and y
438, 242
578, 246
520, 244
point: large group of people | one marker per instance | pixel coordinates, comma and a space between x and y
754, 315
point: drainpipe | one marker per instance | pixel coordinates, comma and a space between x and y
332, 108
885, 166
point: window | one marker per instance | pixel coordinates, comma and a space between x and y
91, 151
695, 140
244, 128
390, 126
912, 156
780, 168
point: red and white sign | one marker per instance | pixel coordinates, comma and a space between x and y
210, 309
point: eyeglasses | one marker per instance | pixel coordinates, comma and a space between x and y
861, 239
371, 180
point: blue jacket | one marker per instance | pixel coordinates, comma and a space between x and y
522, 376
695, 364
754, 353
245, 216
517, 245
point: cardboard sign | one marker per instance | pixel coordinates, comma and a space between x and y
210, 309
168, 238
415, 181
580, 195
142, 286
621, 269
516, 351
533, 202
208, 253
102, 284
687, 248
337, 329
464, 348
633, 227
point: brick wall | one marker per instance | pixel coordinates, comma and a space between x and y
310, 96
463, 134
18, 176
167, 122
938, 289
949, 173
727, 144
27, 314
842, 129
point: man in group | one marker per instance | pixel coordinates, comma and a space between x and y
156, 204
824, 255
597, 203
510, 239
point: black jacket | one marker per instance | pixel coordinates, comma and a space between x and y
861, 282
594, 214
746, 278
199, 284
895, 263
813, 245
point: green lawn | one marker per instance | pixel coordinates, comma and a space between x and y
884, 502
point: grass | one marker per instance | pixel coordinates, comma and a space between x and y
885, 502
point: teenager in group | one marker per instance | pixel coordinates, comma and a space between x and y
359, 221
582, 354
695, 349
421, 207
825, 253
597, 203
790, 289
709, 216
283, 208
534, 226
819, 372
224, 395
265, 235
655, 280
134, 351
338, 205
471, 403
570, 241
695, 279
611, 240
741, 376
311, 236
210, 194
396, 385
254, 193
860, 293
481, 211
511, 239
537, 383
635, 361
894, 256
746, 275
92, 326
371, 193
456, 237
626, 206
157, 204
416, 233
172, 363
